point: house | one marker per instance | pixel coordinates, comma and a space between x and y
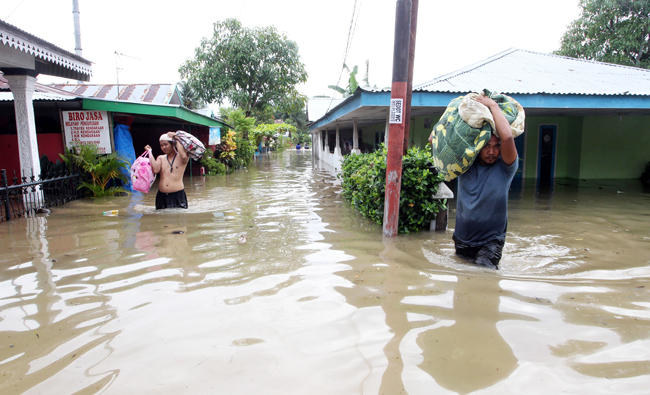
37, 119
584, 119
53, 109
22, 57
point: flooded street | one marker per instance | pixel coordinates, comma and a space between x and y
271, 284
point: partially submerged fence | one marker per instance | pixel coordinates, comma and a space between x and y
30, 195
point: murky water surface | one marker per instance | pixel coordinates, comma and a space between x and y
271, 284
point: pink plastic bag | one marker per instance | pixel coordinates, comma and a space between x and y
142, 175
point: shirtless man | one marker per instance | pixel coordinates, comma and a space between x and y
171, 167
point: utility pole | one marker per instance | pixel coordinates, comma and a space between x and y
118, 56
400, 109
407, 109
77, 29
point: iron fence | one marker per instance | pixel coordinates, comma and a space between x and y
28, 196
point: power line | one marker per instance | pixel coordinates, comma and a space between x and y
351, 29
14, 10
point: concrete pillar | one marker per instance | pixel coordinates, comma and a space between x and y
314, 152
355, 137
337, 147
22, 88
326, 146
386, 130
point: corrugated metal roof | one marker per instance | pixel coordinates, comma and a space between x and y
319, 106
38, 96
41, 92
517, 71
142, 93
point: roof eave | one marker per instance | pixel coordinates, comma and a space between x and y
164, 110
50, 59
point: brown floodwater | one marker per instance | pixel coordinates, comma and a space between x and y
270, 283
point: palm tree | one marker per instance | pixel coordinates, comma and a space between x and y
189, 97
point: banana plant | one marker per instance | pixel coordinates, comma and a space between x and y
352, 82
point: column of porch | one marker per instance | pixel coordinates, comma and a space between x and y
337, 147
22, 88
355, 137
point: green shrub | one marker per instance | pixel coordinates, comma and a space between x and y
364, 178
211, 165
244, 152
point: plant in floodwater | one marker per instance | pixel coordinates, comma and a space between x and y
211, 165
226, 150
98, 170
244, 153
363, 182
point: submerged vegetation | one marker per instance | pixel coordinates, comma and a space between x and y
363, 183
99, 173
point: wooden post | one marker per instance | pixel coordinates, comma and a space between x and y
400, 100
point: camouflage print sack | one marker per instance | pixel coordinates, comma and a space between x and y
465, 127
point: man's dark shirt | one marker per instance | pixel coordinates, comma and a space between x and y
482, 202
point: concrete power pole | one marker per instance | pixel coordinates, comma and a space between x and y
77, 30
400, 109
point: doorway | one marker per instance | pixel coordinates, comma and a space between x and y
546, 158
518, 181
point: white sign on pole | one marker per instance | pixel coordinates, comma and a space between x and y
396, 111
87, 127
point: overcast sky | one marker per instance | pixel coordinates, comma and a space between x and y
157, 36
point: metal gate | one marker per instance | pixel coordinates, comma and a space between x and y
30, 195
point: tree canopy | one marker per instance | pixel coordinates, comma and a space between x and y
292, 111
614, 31
252, 68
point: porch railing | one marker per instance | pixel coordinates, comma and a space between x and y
31, 195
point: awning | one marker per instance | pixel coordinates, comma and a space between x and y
167, 110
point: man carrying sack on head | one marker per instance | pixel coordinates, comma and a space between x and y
474, 141
482, 205
171, 167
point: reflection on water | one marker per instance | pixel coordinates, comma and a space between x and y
270, 283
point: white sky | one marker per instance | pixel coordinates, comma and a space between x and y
159, 35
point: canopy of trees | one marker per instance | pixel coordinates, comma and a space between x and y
613, 31
252, 68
